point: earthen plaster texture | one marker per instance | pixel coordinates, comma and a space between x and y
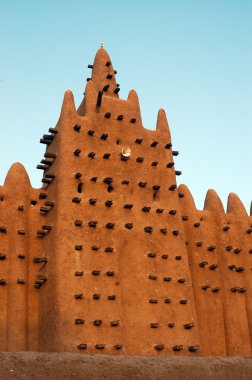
109, 256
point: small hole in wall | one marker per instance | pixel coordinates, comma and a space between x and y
117, 142
1, 198
33, 203
79, 188
110, 188
154, 196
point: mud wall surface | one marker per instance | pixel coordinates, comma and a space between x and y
40, 366
119, 257
19, 267
109, 255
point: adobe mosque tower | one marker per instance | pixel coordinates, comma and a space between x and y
109, 256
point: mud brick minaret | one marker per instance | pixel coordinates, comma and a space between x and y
109, 256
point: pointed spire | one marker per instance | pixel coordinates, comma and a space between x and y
188, 198
133, 99
162, 125
103, 75
88, 103
235, 206
213, 202
68, 105
17, 178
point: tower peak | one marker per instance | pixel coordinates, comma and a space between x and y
103, 74
17, 174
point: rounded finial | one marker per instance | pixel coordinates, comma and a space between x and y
101, 44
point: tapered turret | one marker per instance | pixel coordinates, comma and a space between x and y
103, 74
213, 202
68, 105
17, 178
162, 124
187, 196
134, 101
235, 206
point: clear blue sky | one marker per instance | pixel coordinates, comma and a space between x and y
193, 58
